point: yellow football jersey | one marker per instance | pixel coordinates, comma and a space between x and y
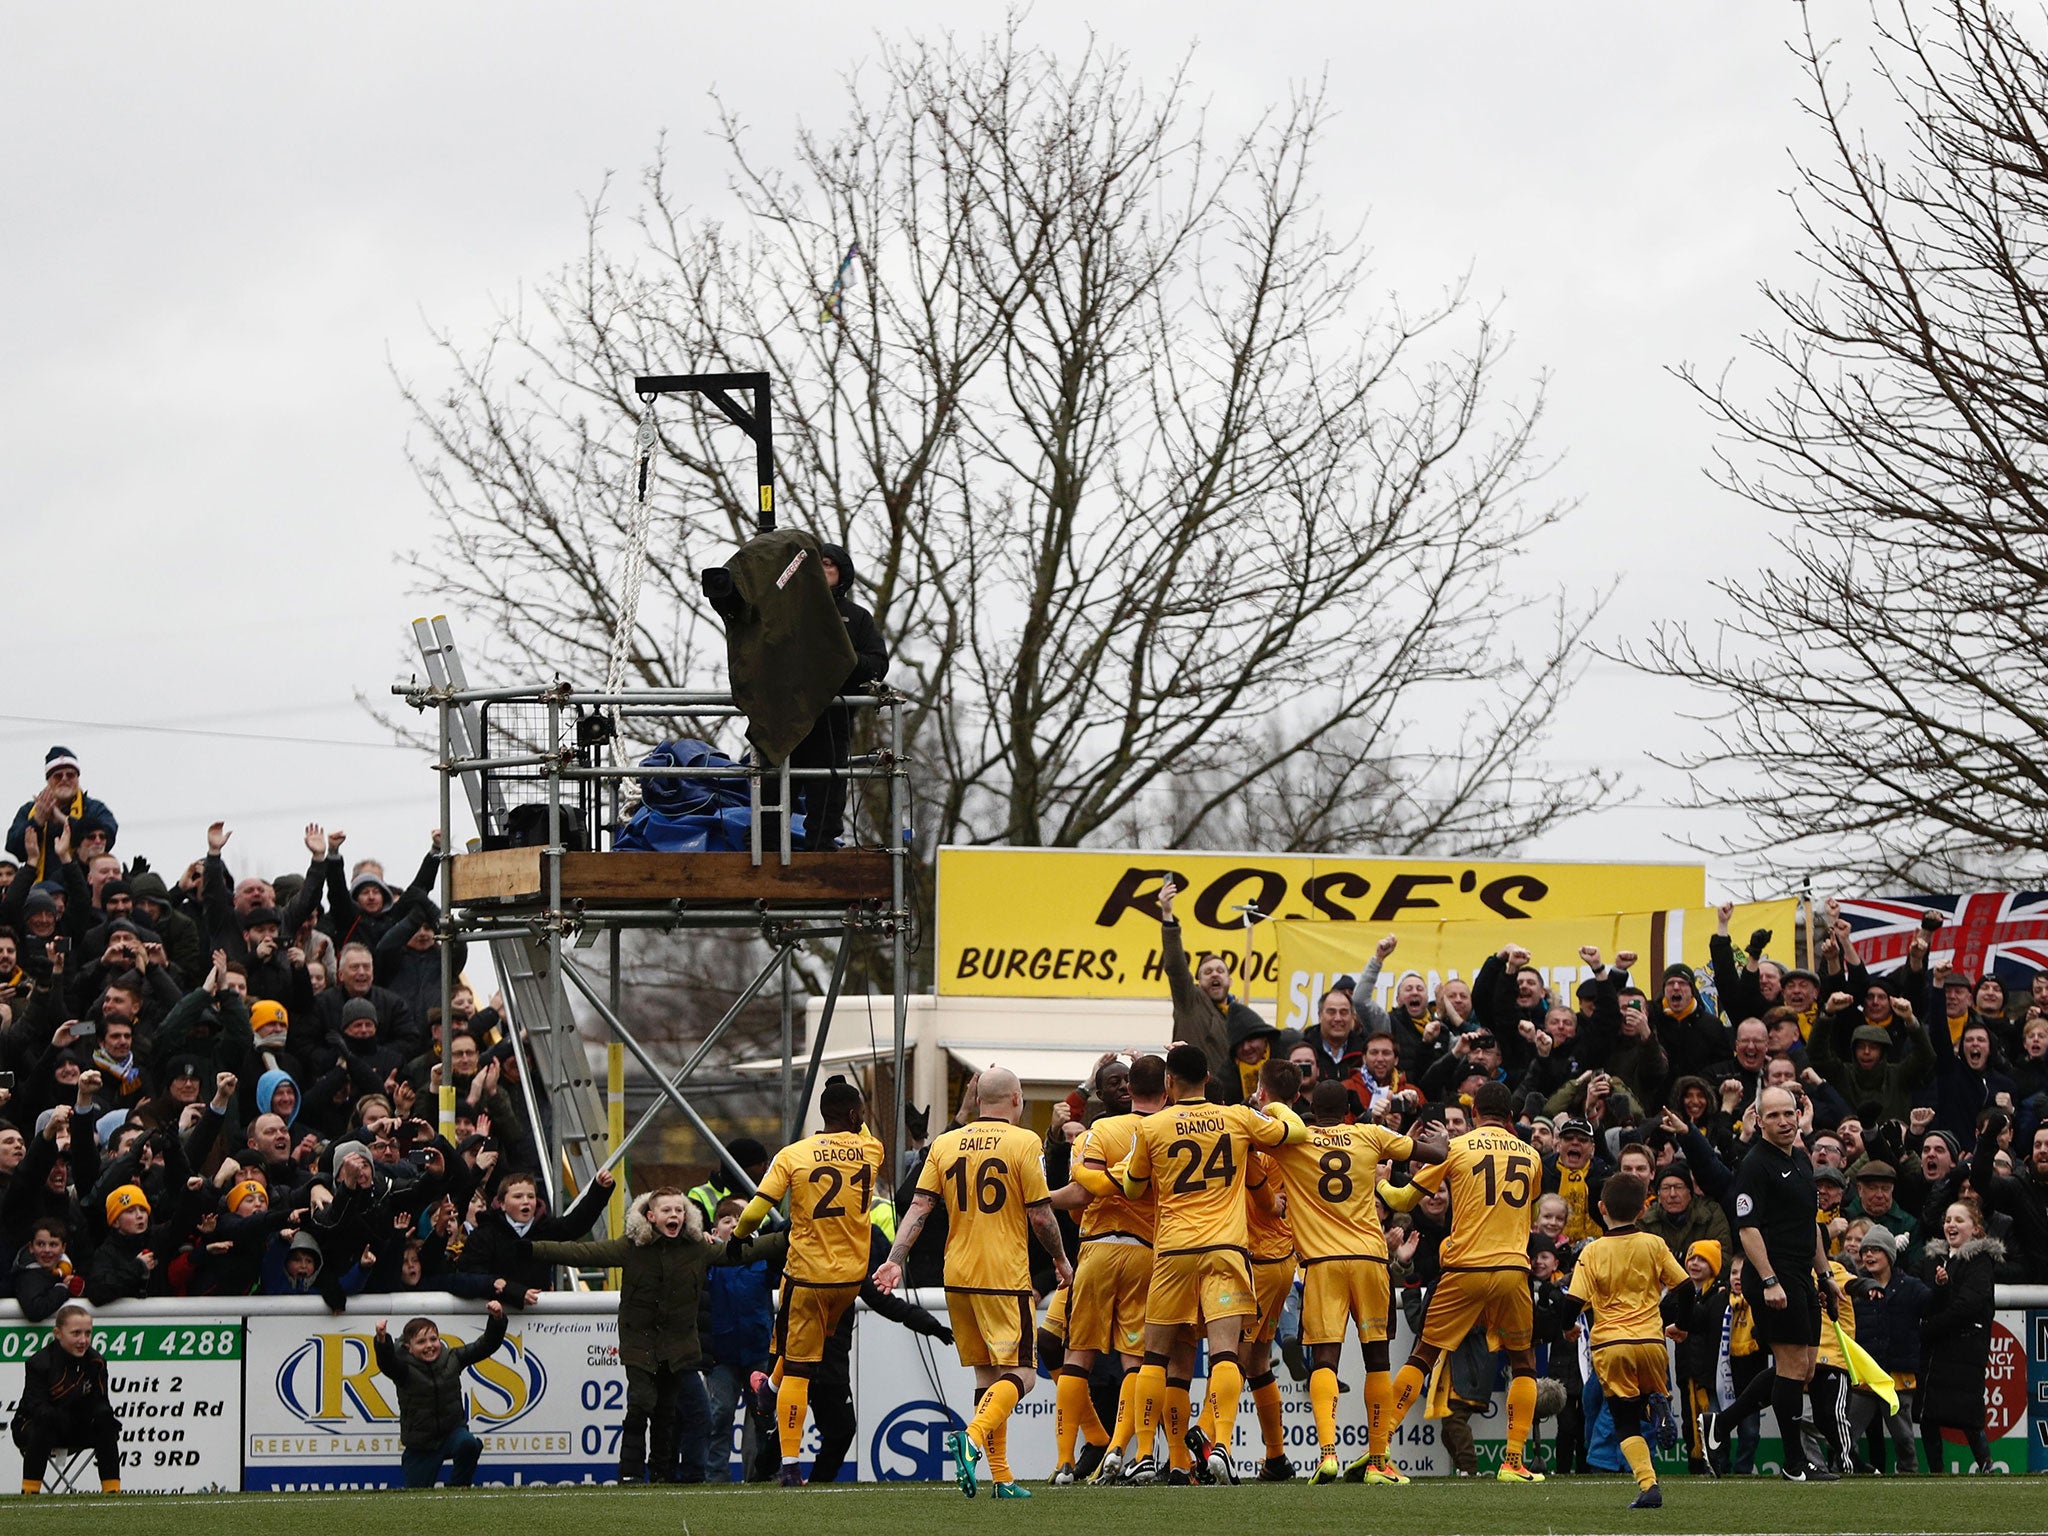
1332, 1179
1494, 1177
987, 1175
1623, 1277
830, 1180
1194, 1157
1267, 1234
1103, 1147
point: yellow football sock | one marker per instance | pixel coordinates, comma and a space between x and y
775, 1374
1093, 1430
1126, 1411
1205, 1421
1069, 1392
1151, 1395
1322, 1398
1637, 1450
1226, 1386
1521, 1414
1379, 1407
996, 1404
1266, 1403
1410, 1382
31, 1485
1179, 1410
998, 1449
110, 1485
791, 1403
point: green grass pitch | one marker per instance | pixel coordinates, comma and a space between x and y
1579, 1506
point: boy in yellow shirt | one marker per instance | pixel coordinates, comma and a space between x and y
1621, 1279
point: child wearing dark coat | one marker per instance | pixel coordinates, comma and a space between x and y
433, 1413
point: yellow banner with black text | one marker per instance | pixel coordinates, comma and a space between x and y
1044, 922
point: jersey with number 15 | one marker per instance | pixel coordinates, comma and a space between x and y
1493, 1176
987, 1175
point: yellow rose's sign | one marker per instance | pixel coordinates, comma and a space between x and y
1033, 922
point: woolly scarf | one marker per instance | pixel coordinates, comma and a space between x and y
129, 1071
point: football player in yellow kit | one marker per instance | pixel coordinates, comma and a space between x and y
1106, 1305
1333, 1209
991, 1176
1270, 1245
1192, 1158
830, 1181
1494, 1176
1621, 1278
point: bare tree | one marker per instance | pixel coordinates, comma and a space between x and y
1172, 532
1878, 681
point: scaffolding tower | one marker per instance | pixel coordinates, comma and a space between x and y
543, 884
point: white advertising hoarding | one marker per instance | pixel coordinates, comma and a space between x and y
176, 1384
547, 1405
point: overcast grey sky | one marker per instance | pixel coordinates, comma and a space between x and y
226, 224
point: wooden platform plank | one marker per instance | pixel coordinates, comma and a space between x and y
501, 874
516, 875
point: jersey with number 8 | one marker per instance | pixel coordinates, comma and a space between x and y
1332, 1184
830, 1180
1494, 1178
987, 1175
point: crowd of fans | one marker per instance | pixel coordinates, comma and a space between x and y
1923, 1102
223, 1085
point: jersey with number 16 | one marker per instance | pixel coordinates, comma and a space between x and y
987, 1175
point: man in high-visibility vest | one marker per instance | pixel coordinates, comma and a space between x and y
750, 1155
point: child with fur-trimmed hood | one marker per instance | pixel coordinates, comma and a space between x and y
662, 1259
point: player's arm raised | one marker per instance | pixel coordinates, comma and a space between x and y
767, 1195
1135, 1172
1425, 1180
1276, 1126
1429, 1143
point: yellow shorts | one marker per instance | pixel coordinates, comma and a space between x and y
1340, 1292
1108, 1309
1200, 1287
1632, 1367
806, 1316
1271, 1281
991, 1327
1464, 1299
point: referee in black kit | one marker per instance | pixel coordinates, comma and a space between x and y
1785, 1280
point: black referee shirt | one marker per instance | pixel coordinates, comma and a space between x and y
1774, 1193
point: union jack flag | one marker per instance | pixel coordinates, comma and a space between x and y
2004, 933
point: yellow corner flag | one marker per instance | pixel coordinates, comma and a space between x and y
1864, 1371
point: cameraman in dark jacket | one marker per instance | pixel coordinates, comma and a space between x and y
823, 801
